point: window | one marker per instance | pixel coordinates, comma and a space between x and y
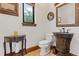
28, 14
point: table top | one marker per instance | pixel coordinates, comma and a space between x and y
14, 38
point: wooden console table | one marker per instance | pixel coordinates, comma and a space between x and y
16, 39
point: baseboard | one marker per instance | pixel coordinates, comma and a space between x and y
32, 49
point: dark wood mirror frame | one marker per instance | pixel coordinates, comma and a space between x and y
56, 4
76, 16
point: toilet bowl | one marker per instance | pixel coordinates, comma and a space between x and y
45, 44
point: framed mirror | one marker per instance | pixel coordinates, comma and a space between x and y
67, 15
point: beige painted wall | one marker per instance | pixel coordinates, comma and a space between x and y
9, 24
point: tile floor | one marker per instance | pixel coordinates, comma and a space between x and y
37, 53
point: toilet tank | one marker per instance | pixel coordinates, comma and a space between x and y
50, 37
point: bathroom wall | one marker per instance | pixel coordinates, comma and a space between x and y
9, 24
74, 47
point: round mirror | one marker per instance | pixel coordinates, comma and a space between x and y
50, 16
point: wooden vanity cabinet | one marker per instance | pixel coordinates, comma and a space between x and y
63, 41
63, 46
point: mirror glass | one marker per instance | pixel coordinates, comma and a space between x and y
66, 14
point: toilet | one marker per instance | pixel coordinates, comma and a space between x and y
45, 44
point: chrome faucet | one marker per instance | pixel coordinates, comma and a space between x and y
63, 30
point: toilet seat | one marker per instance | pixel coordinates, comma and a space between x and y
44, 42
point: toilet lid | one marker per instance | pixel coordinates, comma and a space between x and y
44, 42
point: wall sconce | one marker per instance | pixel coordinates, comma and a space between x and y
59, 19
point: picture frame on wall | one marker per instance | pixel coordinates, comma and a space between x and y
9, 8
28, 14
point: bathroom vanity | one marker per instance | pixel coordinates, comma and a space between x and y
63, 43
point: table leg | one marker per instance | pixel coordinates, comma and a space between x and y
22, 47
4, 48
25, 46
10, 44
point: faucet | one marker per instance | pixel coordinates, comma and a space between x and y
63, 30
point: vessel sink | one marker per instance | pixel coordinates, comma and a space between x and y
62, 34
